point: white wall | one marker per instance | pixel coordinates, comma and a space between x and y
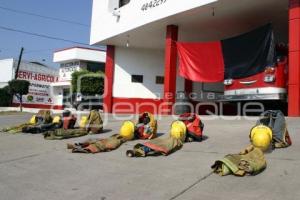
73, 54
104, 25
146, 62
57, 95
6, 68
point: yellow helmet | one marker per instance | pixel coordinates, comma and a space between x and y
83, 122
261, 137
178, 130
127, 130
32, 120
56, 120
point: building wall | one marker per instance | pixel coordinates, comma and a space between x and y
76, 54
134, 13
57, 94
7, 73
146, 62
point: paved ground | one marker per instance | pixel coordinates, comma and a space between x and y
34, 169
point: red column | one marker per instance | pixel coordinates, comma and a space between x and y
109, 74
294, 59
170, 68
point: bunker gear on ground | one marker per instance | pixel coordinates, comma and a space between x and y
97, 145
43, 117
95, 123
161, 146
194, 126
276, 121
250, 161
60, 134
146, 126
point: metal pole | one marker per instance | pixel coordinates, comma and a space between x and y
19, 62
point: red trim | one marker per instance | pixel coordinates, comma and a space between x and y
77, 47
109, 73
136, 105
294, 59
170, 67
40, 106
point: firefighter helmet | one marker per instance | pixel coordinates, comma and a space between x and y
261, 137
127, 130
83, 122
33, 120
178, 130
56, 120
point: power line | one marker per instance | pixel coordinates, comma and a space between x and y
38, 51
41, 35
43, 16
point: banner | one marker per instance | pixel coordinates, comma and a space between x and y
233, 58
39, 89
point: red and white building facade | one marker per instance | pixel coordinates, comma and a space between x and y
141, 35
70, 60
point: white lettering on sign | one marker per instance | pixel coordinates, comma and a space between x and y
152, 4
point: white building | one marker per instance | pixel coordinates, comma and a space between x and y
40, 77
73, 59
141, 64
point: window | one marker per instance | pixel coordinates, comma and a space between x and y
123, 2
95, 67
137, 78
159, 80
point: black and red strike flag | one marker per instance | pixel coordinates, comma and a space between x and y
238, 57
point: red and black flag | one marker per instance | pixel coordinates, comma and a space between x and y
238, 57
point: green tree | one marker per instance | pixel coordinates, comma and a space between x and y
5, 97
88, 83
19, 88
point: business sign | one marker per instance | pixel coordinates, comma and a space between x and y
39, 89
66, 70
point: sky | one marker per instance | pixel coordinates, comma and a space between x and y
37, 48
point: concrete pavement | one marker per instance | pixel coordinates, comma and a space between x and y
32, 168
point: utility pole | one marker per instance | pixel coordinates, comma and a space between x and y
19, 62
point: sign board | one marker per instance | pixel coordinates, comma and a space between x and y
67, 69
40, 78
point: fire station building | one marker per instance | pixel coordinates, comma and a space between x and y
141, 35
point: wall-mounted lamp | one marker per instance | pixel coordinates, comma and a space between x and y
116, 12
213, 11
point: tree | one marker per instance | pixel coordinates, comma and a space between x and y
19, 88
5, 96
88, 83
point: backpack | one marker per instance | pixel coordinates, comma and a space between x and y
276, 121
194, 126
